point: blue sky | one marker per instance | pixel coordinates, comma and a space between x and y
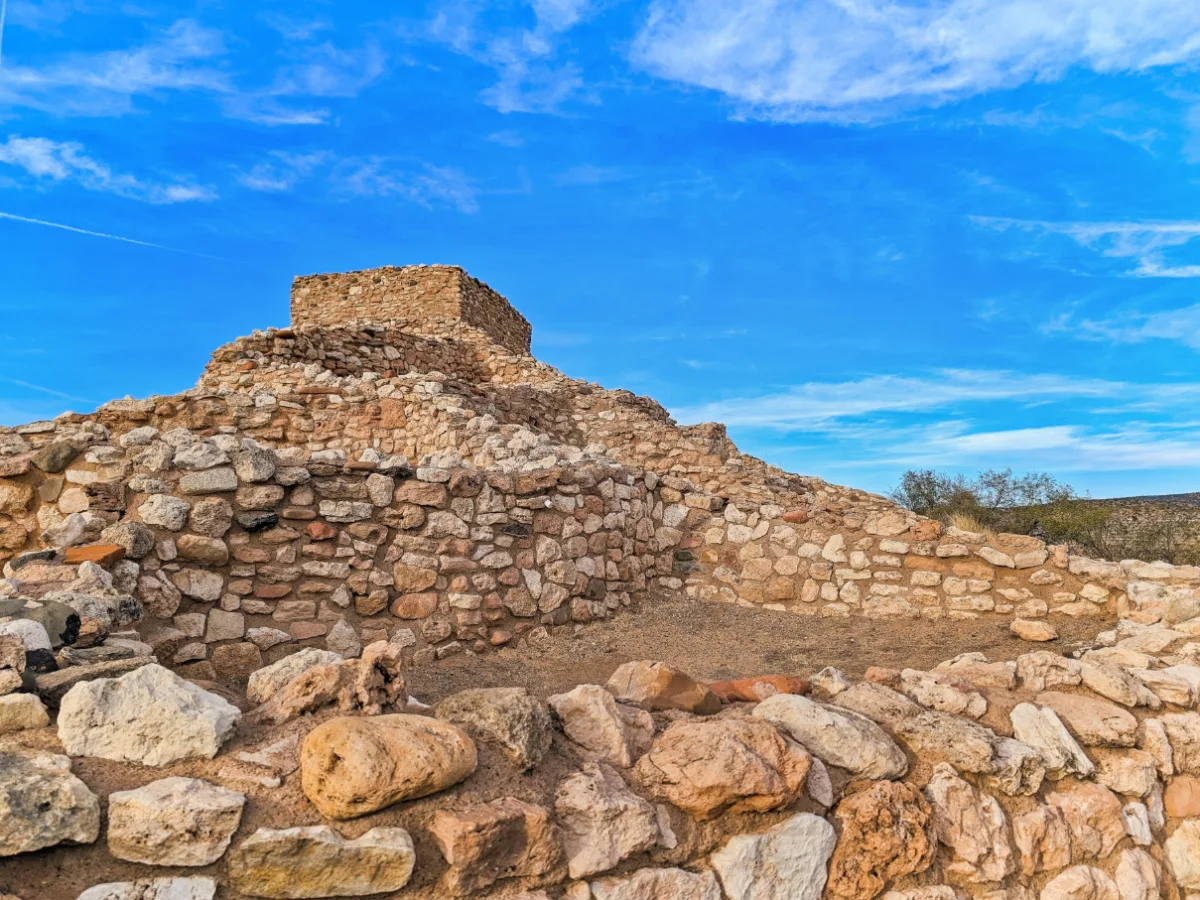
867, 235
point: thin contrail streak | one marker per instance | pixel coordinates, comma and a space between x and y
101, 234
3, 11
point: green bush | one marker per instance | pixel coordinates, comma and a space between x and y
1036, 504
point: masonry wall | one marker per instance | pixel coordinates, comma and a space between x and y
429, 298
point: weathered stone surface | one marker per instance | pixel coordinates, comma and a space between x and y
510, 717
1033, 630
154, 889
886, 833
19, 712
43, 804
149, 716
655, 685
53, 686
786, 862
615, 732
317, 862
972, 825
1043, 838
756, 688
209, 550
943, 693
1138, 876
370, 684
483, 844
709, 767
173, 822
350, 767
1041, 728
1182, 797
136, 538
1129, 772
1183, 730
268, 681
1081, 883
969, 747
658, 884
164, 511
835, 736
1094, 722
1093, 815
254, 465
1183, 854
602, 820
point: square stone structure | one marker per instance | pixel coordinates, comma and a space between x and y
425, 299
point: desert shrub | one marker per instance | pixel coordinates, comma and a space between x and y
999, 501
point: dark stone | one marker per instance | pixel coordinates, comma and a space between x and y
257, 521
518, 529
53, 458
40, 661
34, 556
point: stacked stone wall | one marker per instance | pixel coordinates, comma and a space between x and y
430, 298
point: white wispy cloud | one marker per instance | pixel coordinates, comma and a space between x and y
950, 417
182, 58
530, 77
191, 57
1145, 243
1180, 325
283, 171
858, 60
427, 184
1057, 448
819, 404
59, 161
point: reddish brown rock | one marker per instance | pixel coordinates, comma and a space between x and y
708, 767
320, 531
1182, 797
506, 838
886, 833
754, 689
272, 591
415, 606
655, 685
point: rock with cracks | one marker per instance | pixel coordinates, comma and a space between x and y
149, 716
315, 861
350, 766
786, 862
173, 822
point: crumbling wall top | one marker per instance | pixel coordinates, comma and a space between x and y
428, 298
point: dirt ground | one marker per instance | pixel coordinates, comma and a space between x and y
717, 641
711, 641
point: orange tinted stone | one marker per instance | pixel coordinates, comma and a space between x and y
272, 591
320, 531
759, 687
101, 554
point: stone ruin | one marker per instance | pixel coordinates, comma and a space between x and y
394, 471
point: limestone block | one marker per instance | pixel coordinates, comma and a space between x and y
602, 820
43, 804
509, 717
886, 833
316, 861
173, 822
658, 884
835, 736
149, 716
614, 732
506, 838
786, 862
655, 685
268, 681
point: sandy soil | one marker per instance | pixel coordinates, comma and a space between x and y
709, 641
